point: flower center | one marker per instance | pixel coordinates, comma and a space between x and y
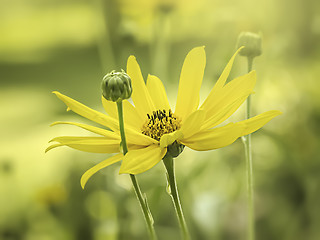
159, 123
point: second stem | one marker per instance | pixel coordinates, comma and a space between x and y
248, 155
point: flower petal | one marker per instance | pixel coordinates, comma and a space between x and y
132, 120
221, 81
229, 94
132, 135
169, 138
135, 137
139, 161
140, 94
110, 107
100, 131
190, 82
215, 138
193, 123
53, 146
89, 144
157, 93
87, 112
88, 174
130, 114
224, 113
254, 123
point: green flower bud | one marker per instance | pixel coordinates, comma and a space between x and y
252, 44
116, 86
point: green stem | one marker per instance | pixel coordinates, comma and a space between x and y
169, 164
121, 125
248, 154
250, 62
249, 166
142, 199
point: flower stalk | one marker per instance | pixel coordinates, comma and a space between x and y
173, 192
252, 48
142, 199
249, 167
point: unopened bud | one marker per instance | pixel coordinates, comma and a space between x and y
116, 86
252, 44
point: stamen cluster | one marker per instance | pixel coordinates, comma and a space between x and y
159, 123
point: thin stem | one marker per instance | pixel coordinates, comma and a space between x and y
121, 125
142, 199
248, 154
249, 166
144, 207
169, 164
250, 62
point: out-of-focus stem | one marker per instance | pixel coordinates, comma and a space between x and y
249, 166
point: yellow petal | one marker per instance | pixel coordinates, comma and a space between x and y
169, 138
132, 135
132, 122
224, 113
215, 138
140, 94
254, 123
135, 137
221, 82
130, 115
110, 107
100, 131
157, 93
89, 144
139, 161
229, 94
193, 123
87, 112
53, 146
88, 174
190, 82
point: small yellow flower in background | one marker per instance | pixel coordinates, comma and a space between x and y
151, 126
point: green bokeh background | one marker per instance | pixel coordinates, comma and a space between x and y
68, 45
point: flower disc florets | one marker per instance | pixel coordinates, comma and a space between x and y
116, 86
159, 123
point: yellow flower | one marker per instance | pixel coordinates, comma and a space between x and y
151, 126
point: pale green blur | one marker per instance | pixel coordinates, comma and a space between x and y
69, 45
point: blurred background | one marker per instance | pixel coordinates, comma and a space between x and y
68, 45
